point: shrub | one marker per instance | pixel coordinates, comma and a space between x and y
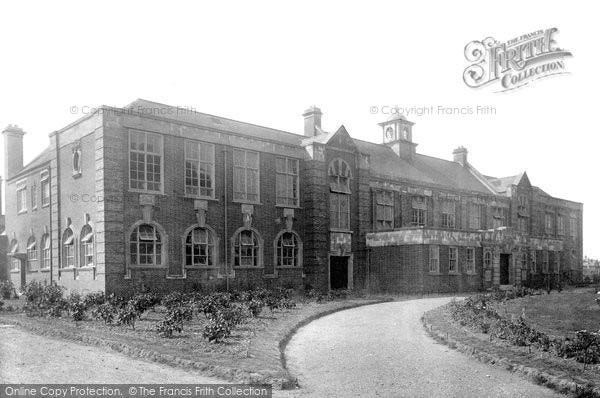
94, 299
127, 315
76, 306
217, 328
143, 302
106, 312
173, 299
43, 300
7, 290
1, 304
173, 320
235, 314
255, 307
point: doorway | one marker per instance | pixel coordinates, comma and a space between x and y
504, 269
338, 272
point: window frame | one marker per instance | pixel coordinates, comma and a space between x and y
386, 207
336, 208
32, 255
418, 211
339, 176
470, 262
573, 227
549, 223
21, 191
162, 239
212, 248
245, 167
475, 213
278, 249
87, 246
46, 254
146, 154
257, 256
560, 225
499, 217
448, 218
534, 263
198, 163
453, 259
67, 249
45, 182
434, 259
287, 175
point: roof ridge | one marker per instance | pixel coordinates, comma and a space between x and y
217, 116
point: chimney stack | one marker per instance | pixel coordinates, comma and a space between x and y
312, 121
460, 155
13, 150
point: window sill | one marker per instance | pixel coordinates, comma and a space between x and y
288, 206
76, 174
200, 267
200, 198
435, 273
87, 267
147, 192
149, 266
471, 273
289, 267
67, 269
15, 271
346, 231
46, 205
35, 271
454, 273
246, 202
22, 212
248, 267
45, 270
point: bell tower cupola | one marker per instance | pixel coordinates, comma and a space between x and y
397, 134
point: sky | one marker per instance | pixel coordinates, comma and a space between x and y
264, 62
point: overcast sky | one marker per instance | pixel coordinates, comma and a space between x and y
265, 62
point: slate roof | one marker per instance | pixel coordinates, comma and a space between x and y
44, 157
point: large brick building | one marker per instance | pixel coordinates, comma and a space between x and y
157, 197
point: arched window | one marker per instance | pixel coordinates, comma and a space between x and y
145, 245
246, 249
487, 259
15, 263
339, 176
199, 247
87, 246
45, 246
288, 250
32, 256
68, 249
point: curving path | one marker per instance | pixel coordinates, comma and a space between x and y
382, 351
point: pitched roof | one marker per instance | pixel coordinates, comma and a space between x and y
44, 157
186, 115
502, 184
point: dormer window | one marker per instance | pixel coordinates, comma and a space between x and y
339, 176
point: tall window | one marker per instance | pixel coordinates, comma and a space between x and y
145, 161
549, 223
522, 205
453, 260
34, 196
287, 250
46, 251
246, 249
522, 223
419, 210
560, 224
487, 260
448, 214
434, 259
339, 209
498, 217
21, 197
199, 247
534, 267
339, 176
475, 216
32, 255
87, 246
246, 176
68, 249
199, 169
573, 226
45, 188
384, 210
15, 263
470, 265
145, 246
556, 262
286, 182
545, 261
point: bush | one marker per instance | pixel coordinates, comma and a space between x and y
235, 314
94, 299
174, 319
217, 328
143, 302
127, 315
43, 300
106, 312
76, 306
255, 307
7, 290
1, 305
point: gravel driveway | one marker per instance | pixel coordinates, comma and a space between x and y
382, 351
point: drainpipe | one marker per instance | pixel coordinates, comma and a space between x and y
225, 218
58, 205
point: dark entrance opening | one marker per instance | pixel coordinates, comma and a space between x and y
504, 268
338, 272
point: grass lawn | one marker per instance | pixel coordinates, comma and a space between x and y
251, 354
558, 314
